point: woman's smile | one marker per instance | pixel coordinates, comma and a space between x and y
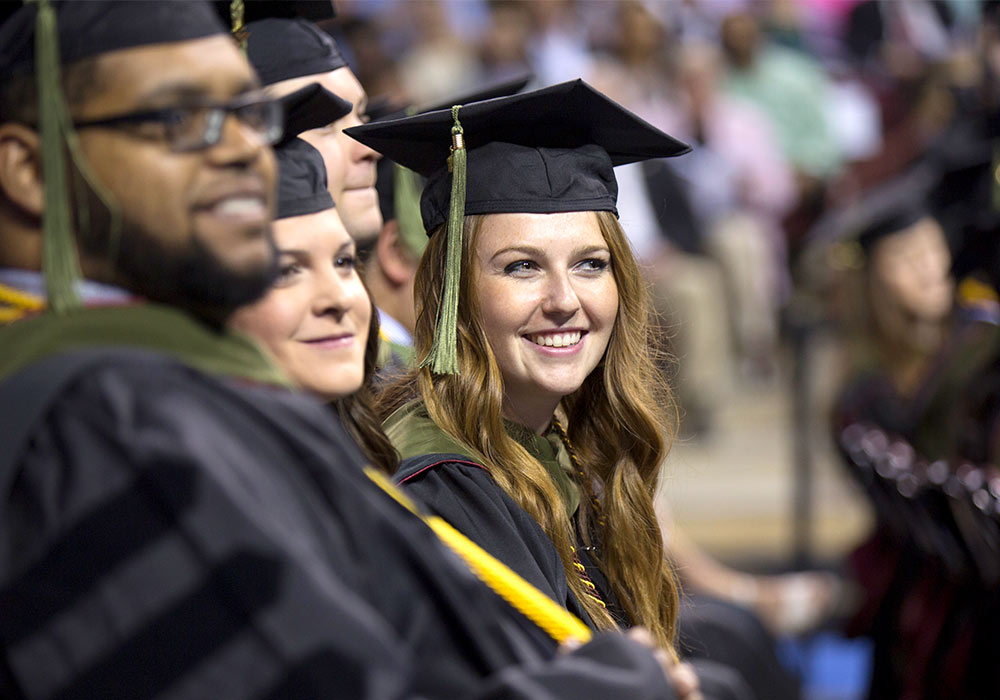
562, 340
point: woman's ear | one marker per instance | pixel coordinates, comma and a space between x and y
21, 168
393, 260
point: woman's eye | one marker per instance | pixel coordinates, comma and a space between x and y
288, 270
346, 261
594, 265
521, 266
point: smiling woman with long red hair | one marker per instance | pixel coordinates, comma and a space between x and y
541, 428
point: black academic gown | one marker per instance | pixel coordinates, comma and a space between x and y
166, 533
451, 483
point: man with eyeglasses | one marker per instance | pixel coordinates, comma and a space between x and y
175, 522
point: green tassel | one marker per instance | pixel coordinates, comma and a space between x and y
406, 201
443, 357
59, 257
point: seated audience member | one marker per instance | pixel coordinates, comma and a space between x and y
917, 357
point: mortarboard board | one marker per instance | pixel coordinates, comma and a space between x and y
546, 151
37, 38
280, 49
383, 108
301, 180
399, 188
956, 183
311, 107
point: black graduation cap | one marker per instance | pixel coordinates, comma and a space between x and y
967, 203
382, 108
311, 107
90, 28
280, 49
399, 188
545, 151
956, 183
895, 217
548, 150
301, 180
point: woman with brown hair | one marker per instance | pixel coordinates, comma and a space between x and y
538, 422
318, 321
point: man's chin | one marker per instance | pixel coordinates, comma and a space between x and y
197, 279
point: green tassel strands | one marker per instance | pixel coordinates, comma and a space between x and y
60, 262
443, 357
59, 257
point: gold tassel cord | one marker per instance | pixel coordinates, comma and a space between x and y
21, 300
548, 615
237, 10
15, 304
443, 357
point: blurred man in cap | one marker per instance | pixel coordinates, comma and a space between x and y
289, 53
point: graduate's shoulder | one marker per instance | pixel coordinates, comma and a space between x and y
415, 434
136, 397
412, 469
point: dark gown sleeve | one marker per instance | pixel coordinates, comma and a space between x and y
129, 569
464, 494
610, 666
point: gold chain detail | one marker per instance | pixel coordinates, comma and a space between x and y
578, 466
581, 570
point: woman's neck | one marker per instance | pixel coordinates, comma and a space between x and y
536, 417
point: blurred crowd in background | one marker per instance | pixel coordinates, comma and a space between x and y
797, 110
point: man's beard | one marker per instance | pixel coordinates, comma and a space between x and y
190, 277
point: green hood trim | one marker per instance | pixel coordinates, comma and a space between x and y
144, 326
413, 434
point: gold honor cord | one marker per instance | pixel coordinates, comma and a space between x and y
553, 619
15, 304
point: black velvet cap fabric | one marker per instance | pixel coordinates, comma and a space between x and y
544, 151
301, 180
280, 49
894, 218
92, 27
311, 107
382, 110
